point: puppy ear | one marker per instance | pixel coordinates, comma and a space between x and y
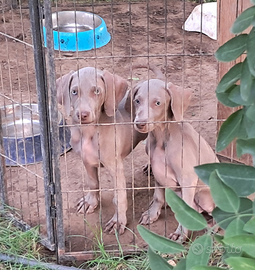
180, 99
116, 88
63, 96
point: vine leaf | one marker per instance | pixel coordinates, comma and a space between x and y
239, 263
246, 81
232, 49
184, 214
199, 252
224, 218
230, 78
250, 226
243, 21
232, 175
158, 242
229, 130
199, 267
157, 262
224, 196
235, 227
245, 243
223, 97
250, 51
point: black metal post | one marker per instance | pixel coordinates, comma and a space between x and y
42, 93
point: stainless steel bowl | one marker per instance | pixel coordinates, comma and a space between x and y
21, 134
75, 21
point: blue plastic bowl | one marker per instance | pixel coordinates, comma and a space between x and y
21, 134
77, 30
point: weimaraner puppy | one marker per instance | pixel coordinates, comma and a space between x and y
174, 147
93, 98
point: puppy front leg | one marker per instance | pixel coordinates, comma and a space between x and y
89, 202
119, 220
156, 205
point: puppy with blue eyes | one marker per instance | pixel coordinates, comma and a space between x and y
96, 101
174, 147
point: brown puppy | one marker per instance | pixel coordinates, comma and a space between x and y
93, 98
174, 148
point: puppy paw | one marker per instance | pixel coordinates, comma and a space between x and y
149, 216
88, 203
180, 235
114, 225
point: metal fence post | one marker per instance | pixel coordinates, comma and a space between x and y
45, 120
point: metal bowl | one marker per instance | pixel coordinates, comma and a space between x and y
77, 30
21, 134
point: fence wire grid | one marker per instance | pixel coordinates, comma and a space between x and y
42, 176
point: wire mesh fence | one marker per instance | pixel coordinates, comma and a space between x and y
141, 32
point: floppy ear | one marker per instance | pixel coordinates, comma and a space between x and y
116, 88
180, 99
63, 97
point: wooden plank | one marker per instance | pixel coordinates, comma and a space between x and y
228, 10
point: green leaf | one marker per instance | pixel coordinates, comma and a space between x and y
232, 49
229, 130
223, 97
250, 226
250, 112
253, 206
224, 196
243, 21
157, 262
223, 218
246, 81
184, 214
247, 127
246, 147
158, 242
235, 227
250, 51
239, 263
199, 267
232, 175
199, 252
181, 265
244, 243
235, 96
230, 78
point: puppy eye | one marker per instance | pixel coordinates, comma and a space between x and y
97, 91
158, 103
74, 92
137, 101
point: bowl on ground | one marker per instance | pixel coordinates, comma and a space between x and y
77, 31
21, 134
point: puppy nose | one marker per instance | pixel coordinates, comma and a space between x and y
141, 125
83, 115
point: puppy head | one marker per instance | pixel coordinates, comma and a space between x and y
90, 92
151, 104
155, 102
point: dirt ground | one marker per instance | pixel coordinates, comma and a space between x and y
141, 32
